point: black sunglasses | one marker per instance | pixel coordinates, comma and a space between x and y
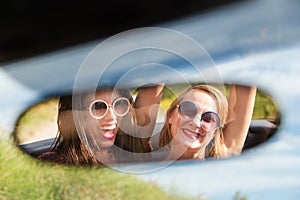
209, 120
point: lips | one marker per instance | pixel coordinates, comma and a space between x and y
192, 134
107, 131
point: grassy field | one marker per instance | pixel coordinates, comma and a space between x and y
265, 107
37, 123
25, 178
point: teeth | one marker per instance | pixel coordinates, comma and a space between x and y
192, 134
108, 127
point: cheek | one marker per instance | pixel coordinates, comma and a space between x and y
88, 119
83, 120
90, 126
122, 119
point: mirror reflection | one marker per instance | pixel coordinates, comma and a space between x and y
152, 123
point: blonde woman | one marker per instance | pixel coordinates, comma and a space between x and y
201, 116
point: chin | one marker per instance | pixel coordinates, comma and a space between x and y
107, 143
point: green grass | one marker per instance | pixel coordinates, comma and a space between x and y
265, 107
38, 119
25, 178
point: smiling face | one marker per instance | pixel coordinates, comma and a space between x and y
103, 130
189, 133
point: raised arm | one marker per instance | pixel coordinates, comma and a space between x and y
241, 102
138, 134
147, 103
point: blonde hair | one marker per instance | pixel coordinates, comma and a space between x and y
222, 109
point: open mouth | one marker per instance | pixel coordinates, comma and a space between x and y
108, 131
192, 134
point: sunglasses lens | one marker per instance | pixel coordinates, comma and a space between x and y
188, 109
98, 109
121, 106
210, 121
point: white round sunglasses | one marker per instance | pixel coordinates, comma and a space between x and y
99, 108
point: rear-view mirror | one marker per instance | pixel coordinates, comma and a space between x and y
151, 123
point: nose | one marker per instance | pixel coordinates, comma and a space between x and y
110, 115
197, 121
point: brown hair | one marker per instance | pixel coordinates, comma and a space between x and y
222, 108
68, 144
71, 149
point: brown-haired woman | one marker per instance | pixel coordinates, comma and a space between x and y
91, 130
